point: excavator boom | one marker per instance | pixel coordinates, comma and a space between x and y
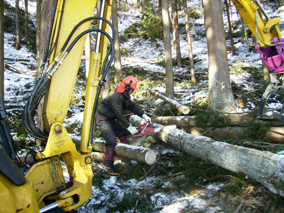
42, 187
270, 46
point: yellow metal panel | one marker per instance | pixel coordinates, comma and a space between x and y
17, 198
61, 87
47, 177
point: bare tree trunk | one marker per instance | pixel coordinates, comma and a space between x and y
189, 43
176, 38
168, 50
230, 28
243, 30
26, 21
18, 32
117, 59
262, 166
2, 66
45, 10
38, 30
220, 92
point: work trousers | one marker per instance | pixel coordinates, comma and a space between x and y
110, 129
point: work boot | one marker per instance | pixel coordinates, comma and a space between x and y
108, 162
110, 168
123, 139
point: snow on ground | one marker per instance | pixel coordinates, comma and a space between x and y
143, 55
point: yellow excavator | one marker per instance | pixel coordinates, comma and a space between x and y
42, 187
270, 46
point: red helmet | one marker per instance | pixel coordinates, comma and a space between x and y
130, 83
127, 84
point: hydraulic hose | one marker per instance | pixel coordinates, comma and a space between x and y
43, 82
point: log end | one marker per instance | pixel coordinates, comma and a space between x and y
151, 157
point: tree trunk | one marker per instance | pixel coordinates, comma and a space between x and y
230, 27
18, 32
2, 66
220, 92
174, 103
38, 30
176, 38
117, 59
26, 21
137, 153
45, 10
168, 50
262, 166
189, 43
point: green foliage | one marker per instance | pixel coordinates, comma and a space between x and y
149, 27
18, 132
209, 119
256, 131
194, 14
124, 52
235, 186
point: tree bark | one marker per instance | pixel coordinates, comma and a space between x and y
168, 50
2, 66
230, 27
137, 153
174, 103
220, 92
26, 21
18, 32
117, 58
189, 43
262, 166
176, 38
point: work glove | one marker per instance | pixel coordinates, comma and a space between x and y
147, 118
132, 130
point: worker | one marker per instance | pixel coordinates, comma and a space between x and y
112, 121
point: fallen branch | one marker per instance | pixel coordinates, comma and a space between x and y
174, 103
262, 166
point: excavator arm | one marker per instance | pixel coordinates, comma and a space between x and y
43, 186
270, 46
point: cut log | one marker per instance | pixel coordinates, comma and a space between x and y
230, 120
262, 166
99, 156
183, 109
139, 154
273, 134
184, 121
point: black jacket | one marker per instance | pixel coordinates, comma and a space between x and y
114, 106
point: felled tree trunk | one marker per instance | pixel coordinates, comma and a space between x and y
273, 134
137, 153
264, 167
230, 120
183, 109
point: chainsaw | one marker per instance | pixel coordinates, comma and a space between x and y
145, 129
